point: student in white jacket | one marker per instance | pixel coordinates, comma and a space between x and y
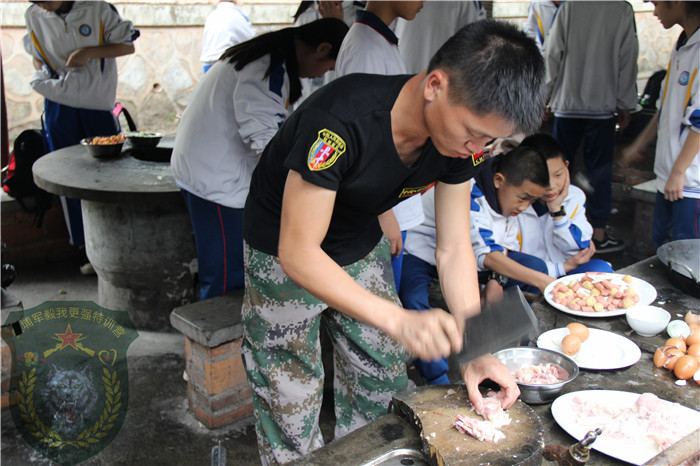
225, 27
677, 127
372, 47
555, 227
74, 46
232, 115
540, 15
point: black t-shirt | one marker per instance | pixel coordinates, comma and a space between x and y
340, 139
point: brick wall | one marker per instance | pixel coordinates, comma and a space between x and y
27, 244
217, 390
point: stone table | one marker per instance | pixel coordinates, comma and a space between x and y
138, 235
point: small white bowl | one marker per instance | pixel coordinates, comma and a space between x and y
647, 321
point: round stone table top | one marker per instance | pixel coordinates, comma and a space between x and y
74, 173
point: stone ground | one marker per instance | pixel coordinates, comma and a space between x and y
158, 428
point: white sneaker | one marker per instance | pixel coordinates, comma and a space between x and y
87, 269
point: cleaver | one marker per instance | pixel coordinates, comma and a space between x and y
502, 324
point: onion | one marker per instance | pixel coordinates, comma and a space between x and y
685, 367
677, 342
677, 328
660, 357
673, 355
694, 336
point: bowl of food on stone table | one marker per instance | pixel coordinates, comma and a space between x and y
104, 147
541, 374
143, 139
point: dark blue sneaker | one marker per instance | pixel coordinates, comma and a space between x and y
608, 244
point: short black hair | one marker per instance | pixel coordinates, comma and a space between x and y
545, 145
523, 164
494, 68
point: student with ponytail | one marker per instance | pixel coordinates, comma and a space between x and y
235, 110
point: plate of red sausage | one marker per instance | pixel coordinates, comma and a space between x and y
597, 294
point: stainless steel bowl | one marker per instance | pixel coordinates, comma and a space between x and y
143, 139
102, 151
515, 358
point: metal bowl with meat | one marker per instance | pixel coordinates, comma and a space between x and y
541, 374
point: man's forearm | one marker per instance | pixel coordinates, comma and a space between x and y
459, 281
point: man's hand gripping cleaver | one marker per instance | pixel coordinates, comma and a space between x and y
499, 325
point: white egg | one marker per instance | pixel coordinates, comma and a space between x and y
677, 328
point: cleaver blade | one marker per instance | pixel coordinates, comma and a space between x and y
502, 324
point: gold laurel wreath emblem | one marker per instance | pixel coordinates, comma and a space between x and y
91, 435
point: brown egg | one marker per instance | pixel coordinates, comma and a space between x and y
677, 342
580, 330
674, 354
685, 367
694, 336
571, 344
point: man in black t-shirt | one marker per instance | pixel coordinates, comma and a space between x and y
314, 249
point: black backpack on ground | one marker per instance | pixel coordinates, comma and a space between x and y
17, 178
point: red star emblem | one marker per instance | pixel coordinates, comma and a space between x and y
69, 338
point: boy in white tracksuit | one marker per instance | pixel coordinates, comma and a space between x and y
504, 188
555, 228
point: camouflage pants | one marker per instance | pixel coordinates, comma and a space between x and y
282, 356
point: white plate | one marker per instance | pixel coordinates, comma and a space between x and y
601, 350
637, 451
646, 292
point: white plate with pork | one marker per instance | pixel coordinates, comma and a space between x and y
626, 285
602, 350
635, 427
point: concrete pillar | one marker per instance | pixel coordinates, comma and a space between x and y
142, 252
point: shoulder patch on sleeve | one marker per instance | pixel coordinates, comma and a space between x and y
325, 150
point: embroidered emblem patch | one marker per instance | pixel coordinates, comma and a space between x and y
684, 78
85, 30
325, 151
478, 158
408, 192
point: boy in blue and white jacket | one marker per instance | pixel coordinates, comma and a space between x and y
507, 185
555, 228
